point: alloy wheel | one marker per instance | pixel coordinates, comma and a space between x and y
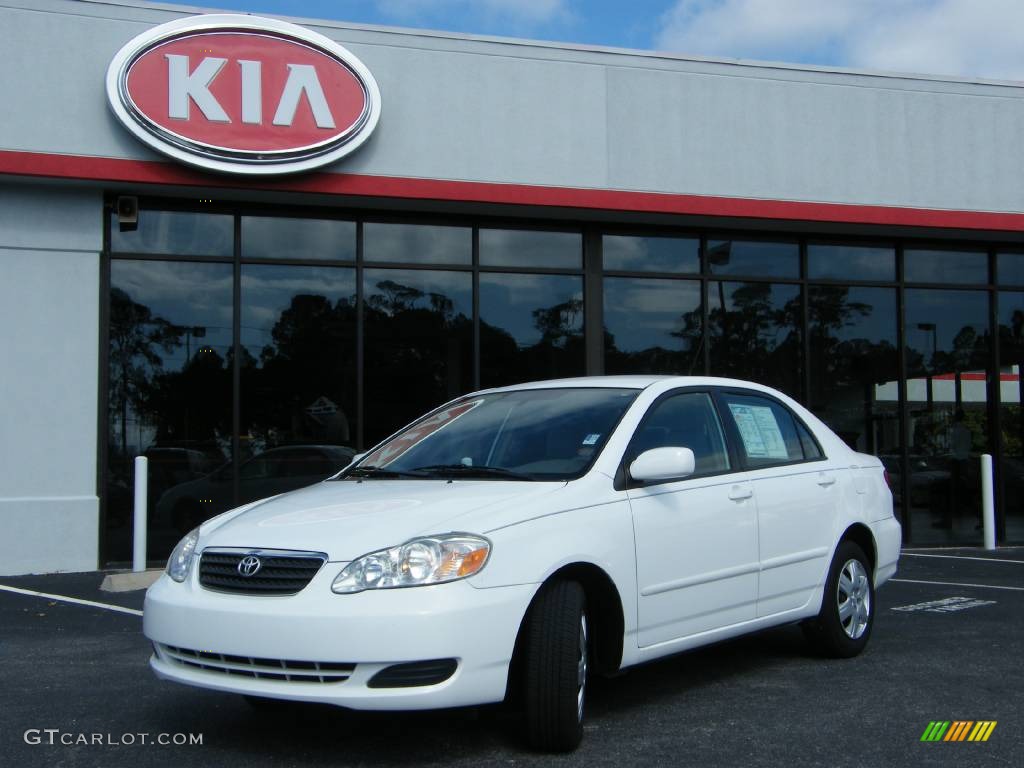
581, 667
853, 597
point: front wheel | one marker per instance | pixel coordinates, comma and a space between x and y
843, 625
556, 656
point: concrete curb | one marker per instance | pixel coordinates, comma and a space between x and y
130, 581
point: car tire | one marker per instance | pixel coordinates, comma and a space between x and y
556, 658
843, 626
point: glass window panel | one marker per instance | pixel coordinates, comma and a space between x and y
947, 353
531, 327
176, 232
766, 430
530, 248
651, 254
926, 266
1010, 268
812, 450
544, 434
298, 376
850, 262
419, 344
754, 333
1011, 389
753, 257
855, 366
417, 243
169, 397
266, 237
688, 420
652, 326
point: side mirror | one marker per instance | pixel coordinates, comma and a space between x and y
670, 463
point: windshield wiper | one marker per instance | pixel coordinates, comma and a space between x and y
466, 470
381, 472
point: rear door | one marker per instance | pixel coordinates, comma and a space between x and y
696, 538
798, 496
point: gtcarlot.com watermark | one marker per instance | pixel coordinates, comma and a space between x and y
57, 737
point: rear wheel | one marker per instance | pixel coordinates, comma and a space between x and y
843, 625
556, 659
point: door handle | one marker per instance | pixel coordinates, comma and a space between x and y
740, 492
826, 480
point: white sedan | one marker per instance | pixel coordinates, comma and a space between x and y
517, 540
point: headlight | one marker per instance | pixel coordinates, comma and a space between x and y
181, 558
427, 560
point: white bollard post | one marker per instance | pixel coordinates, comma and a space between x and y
988, 507
139, 528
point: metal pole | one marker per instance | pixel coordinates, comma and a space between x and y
988, 507
139, 528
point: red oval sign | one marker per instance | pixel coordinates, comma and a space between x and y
243, 94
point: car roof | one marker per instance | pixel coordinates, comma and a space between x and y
303, 447
631, 382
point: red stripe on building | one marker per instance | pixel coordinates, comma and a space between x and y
969, 377
106, 169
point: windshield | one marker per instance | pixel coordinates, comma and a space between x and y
533, 434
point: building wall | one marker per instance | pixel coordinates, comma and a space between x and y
49, 312
531, 113
454, 108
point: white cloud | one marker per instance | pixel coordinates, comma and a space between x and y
980, 38
528, 12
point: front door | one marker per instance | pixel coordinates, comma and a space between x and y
696, 538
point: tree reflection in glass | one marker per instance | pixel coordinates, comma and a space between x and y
298, 375
418, 327
170, 386
652, 326
1011, 359
947, 356
753, 332
531, 327
855, 360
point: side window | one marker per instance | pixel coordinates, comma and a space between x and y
687, 420
811, 450
767, 430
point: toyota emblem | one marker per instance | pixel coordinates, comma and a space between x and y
249, 565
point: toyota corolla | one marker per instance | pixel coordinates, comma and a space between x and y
516, 541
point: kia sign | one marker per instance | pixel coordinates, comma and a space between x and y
243, 94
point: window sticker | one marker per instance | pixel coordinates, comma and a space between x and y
413, 437
762, 438
591, 439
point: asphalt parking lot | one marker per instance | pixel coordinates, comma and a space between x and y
948, 644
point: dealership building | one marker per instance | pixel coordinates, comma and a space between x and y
247, 248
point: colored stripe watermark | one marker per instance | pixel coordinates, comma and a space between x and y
958, 730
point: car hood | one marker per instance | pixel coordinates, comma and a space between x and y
347, 519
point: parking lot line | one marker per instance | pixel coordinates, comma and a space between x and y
75, 600
963, 557
956, 584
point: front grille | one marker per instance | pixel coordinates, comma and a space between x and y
262, 669
279, 574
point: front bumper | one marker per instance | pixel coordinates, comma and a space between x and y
371, 630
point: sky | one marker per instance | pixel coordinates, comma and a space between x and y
967, 38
